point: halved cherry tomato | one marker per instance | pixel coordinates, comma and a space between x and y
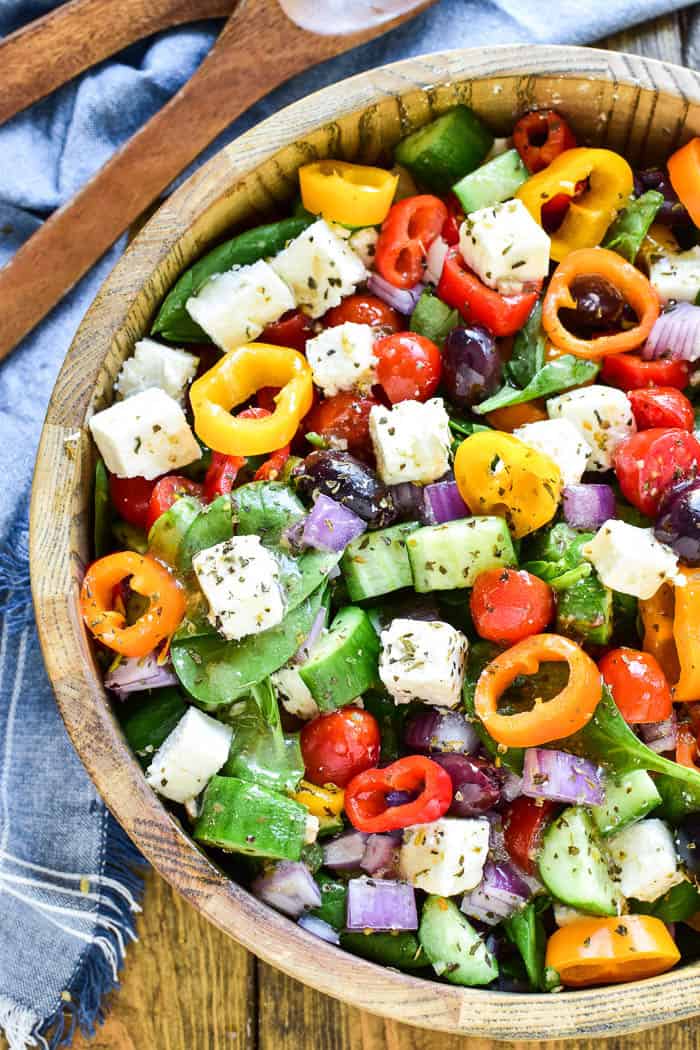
540, 136
166, 492
638, 685
630, 372
344, 417
661, 406
650, 462
130, 498
366, 795
338, 746
364, 309
293, 330
407, 232
524, 822
455, 218
461, 288
507, 605
608, 951
409, 366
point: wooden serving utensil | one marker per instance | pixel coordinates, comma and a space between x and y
258, 49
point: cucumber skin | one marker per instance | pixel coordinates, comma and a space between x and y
403, 950
466, 548
444, 151
337, 674
465, 960
246, 818
627, 799
562, 854
363, 578
492, 183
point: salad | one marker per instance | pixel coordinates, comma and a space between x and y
397, 557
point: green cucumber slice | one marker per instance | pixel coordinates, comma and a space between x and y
243, 817
149, 717
452, 555
572, 866
453, 946
627, 799
493, 182
377, 562
344, 663
439, 154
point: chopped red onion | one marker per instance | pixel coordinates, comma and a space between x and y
289, 887
511, 786
433, 730
381, 904
500, 893
133, 674
402, 299
588, 506
319, 928
330, 526
346, 852
661, 736
435, 260
444, 503
380, 856
561, 777
675, 335
304, 650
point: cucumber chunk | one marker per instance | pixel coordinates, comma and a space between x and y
452, 555
441, 153
377, 562
453, 946
493, 182
243, 817
627, 798
149, 717
572, 866
345, 662
585, 611
403, 950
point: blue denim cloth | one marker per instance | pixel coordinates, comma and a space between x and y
68, 893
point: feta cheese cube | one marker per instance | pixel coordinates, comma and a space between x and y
153, 364
677, 277
320, 268
446, 857
423, 660
601, 414
505, 246
411, 441
631, 560
364, 244
342, 358
294, 693
240, 580
564, 915
562, 442
645, 856
234, 307
144, 436
311, 829
189, 756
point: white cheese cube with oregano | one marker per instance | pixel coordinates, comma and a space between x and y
602, 415
445, 857
645, 859
155, 365
320, 268
293, 693
505, 247
561, 441
189, 756
144, 436
234, 307
411, 441
423, 660
240, 580
676, 276
631, 560
342, 358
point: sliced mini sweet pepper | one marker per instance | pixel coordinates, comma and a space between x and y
322, 802
352, 194
670, 622
233, 380
461, 288
608, 951
566, 713
365, 796
610, 183
528, 134
687, 746
684, 171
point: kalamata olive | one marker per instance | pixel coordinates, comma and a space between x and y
471, 367
678, 521
443, 731
599, 305
688, 843
348, 481
476, 785
671, 211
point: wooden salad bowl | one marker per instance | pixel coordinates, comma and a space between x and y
643, 108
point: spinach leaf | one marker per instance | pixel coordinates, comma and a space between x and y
260, 751
676, 905
558, 375
432, 318
480, 654
526, 931
129, 537
626, 234
213, 525
528, 350
265, 509
103, 511
555, 556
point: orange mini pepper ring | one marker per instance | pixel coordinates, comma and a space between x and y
684, 172
566, 713
148, 578
608, 951
628, 280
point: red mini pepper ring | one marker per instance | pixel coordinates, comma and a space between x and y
539, 153
365, 795
407, 232
478, 304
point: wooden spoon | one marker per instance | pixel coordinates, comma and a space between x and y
258, 49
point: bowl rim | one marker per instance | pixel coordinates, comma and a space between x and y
79, 693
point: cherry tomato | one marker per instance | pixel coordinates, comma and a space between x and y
130, 498
344, 417
364, 309
338, 746
638, 685
630, 372
166, 492
409, 366
508, 605
221, 476
523, 826
650, 462
407, 232
661, 406
292, 330
455, 218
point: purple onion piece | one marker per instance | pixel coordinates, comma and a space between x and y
442, 502
304, 650
588, 506
402, 299
561, 777
330, 526
675, 335
381, 905
476, 785
381, 857
408, 500
500, 893
289, 887
443, 731
346, 852
319, 928
435, 260
132, 674
661, 736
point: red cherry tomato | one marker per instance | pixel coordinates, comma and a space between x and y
661, 406
130, 498
638, 685
364, 309
650, 462
338, 746
409, 366
478, 304
540, 136
523, 826
292, 330
630, 372
344, 417
407, 232
508, 605
455, 218
166, 492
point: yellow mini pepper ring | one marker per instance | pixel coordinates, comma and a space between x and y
351, 194
233, 380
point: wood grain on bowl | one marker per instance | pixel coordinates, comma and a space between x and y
642, 108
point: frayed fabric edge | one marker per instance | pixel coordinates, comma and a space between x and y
20, 1026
